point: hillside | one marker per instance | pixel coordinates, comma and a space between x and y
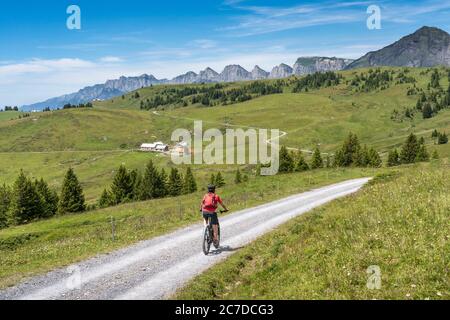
96, 141
326, 253
378, 105
323, 116
427, 47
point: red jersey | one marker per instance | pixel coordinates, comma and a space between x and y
210, 202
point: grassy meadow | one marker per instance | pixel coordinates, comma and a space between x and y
41, 246
95, 142
400, 223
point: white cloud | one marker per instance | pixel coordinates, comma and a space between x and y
256, 20
44, 66
205, 43
111, 59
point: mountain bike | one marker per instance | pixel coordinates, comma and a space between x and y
208, 237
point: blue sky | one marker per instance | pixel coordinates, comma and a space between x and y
40, 58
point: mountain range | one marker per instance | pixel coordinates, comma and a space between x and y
426, 47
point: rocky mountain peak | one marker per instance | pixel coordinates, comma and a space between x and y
427, 47
234, 73
259, 74
281, 71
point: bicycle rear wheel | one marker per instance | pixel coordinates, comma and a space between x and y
217, 245
206, 241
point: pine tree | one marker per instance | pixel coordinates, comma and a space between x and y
442, 138
164, 182
220, 182
149, 182
238, 177
350, 151
175, 184
159, 186
212, 179
393, 158
136, 180
26, 203
286, 161
122, 186
72, 198
435, 134
422, 154
427, 111
301, 164
189, 185
5, 202
317, 161
361, 157
435, 79
409, 150
374, 159
49, 197
105, 199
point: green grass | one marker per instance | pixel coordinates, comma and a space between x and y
9, 115
96, 141
399, 222
42, 246
95, 169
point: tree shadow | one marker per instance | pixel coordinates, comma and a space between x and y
225, 249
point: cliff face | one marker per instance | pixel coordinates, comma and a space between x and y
310, 65
281, 71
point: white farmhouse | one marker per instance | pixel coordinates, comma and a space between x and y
154, 147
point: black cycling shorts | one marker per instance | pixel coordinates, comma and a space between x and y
212, 216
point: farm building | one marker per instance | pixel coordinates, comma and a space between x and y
154, 147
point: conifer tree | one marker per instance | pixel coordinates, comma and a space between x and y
435, 134
122, 186
105, 199
164, 182
393, 158
374, 159
175, 184
427, 111
317, 161
350, 150
422, 154
361, 157
220, 182
49, 198
301, 164
409, 150
286, 161
189, 185
442, 138
238, 177
212, 179
26, 203
5, 201
149, 181
72, 198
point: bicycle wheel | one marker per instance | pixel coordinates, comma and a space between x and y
206, 241
217, 245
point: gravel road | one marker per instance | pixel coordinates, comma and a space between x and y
156, 268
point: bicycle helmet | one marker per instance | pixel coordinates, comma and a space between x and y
211, 188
